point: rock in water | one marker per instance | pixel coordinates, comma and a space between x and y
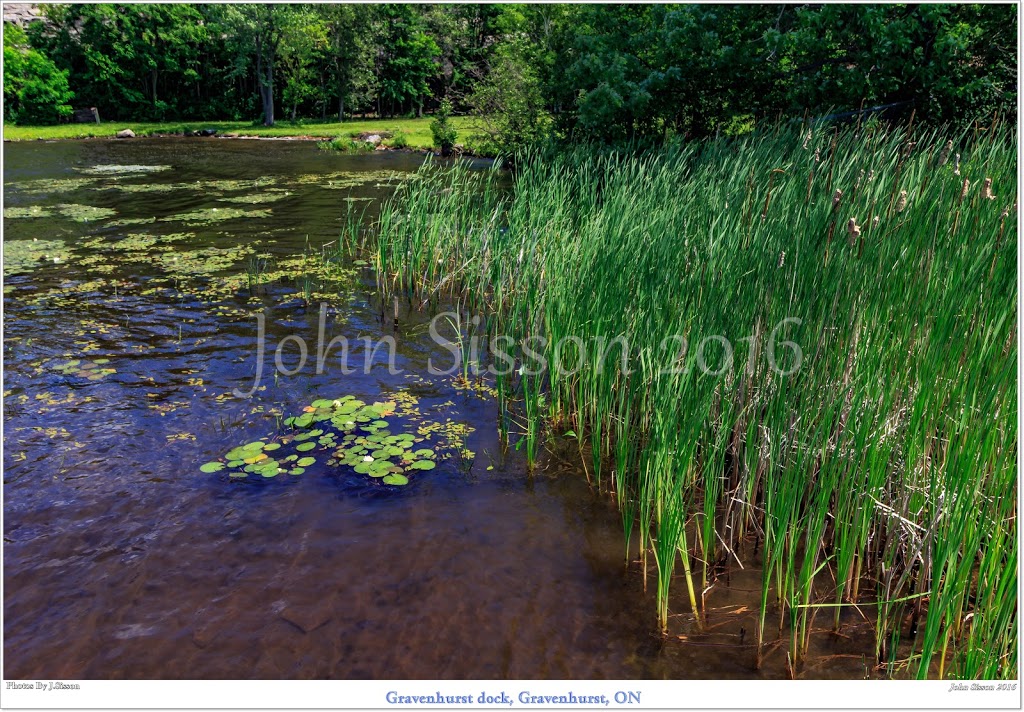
125, 133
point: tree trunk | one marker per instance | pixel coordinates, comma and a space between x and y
268, 97
341, 108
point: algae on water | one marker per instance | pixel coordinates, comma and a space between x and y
27, 255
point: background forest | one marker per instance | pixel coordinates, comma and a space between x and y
602, 73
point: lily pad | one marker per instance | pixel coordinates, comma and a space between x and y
211, 467
395, 479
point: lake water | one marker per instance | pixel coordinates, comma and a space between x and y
129, 320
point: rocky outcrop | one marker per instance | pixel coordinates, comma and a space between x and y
21, 13
125, 133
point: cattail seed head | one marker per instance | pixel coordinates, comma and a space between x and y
944, 156
987, 190
965, 189
901, 203
877, 219
853, 229
817, 155
956, 169
871, 175
837, 198
782, 258
807, 139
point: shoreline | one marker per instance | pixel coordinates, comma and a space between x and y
416, 131
416, 144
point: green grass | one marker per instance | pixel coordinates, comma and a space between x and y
875, 474
417, 131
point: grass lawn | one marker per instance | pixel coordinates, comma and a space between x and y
416, 130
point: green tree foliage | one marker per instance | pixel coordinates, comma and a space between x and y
35, 91
347, 60
139, 63
951, 62
442, 130
407, 60
607, 73
267, 31
509, 104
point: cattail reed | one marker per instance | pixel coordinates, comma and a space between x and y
853, 230
897, 495
944, 155
901, 202
956, 167
986, 191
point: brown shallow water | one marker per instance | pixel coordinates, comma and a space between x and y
121, 559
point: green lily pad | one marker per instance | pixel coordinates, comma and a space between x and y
211, 467
395, 479
306, 461
305, 447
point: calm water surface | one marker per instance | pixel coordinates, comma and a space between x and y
122, 559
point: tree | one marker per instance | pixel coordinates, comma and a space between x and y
132, 61
35, 91
950, 62
263, 28
508, 104
441, 129
347, 68
304, 45
407, 59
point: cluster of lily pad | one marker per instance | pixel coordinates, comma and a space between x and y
355, 432
94, 370
252, 458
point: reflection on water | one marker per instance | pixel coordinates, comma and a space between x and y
129, 295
